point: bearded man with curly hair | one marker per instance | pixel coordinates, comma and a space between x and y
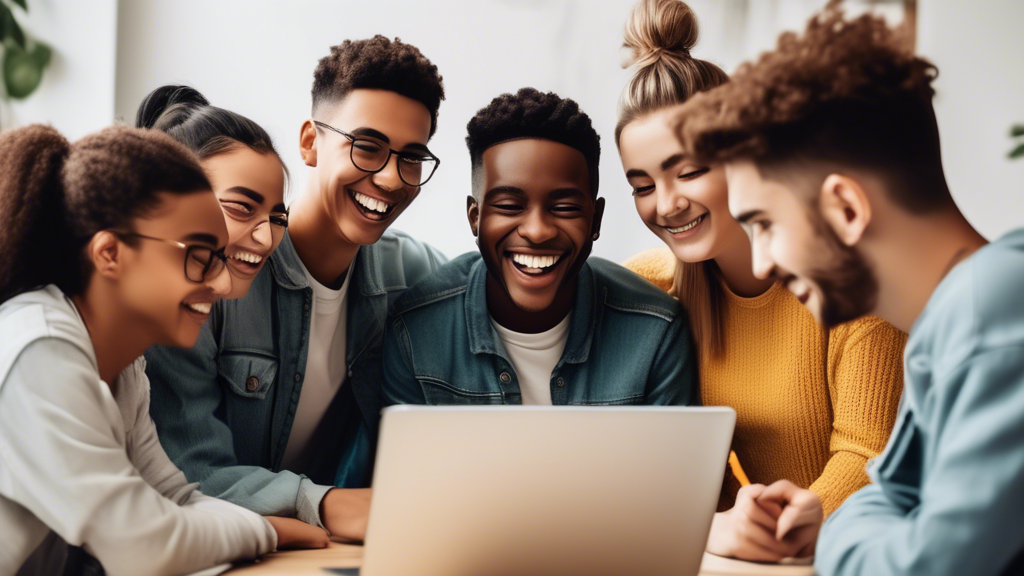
831, 152
531, 318
276, 408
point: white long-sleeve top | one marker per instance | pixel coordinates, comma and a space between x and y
83, 460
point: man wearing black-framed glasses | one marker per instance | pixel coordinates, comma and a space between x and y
276, 408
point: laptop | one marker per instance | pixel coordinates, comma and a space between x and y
467, 491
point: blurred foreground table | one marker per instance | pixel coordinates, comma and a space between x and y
338, 556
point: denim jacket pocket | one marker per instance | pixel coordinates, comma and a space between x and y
248, 375
440, 393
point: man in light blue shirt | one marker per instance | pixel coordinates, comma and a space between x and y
831, 150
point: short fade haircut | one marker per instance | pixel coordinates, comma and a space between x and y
382, 64
530, 113
844, 95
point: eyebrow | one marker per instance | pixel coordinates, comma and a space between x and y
200, 237
377, 134
556, 194
505, 190
748, 215
256, 197
665, 165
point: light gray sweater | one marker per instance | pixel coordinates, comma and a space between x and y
83, 460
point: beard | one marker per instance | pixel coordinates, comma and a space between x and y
847, 283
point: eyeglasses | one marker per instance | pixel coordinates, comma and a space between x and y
200, 262
371, 155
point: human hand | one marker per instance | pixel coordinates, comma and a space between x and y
747, 531
293, 533
800, 520
345, 512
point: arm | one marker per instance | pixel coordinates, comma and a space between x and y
968, 518
400, 384
673, 377
64, 462
865, 385
186, 396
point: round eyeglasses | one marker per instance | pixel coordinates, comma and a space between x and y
201, 262
372, 155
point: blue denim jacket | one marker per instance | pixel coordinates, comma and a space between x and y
224, 409
628, 343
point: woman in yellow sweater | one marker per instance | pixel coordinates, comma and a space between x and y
812, 407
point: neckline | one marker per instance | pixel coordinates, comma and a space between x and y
761, 300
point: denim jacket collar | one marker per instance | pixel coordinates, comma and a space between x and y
366, 269
484, 339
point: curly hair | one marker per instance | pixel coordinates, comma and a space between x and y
847, 93
530, 113
378, 63
54, 196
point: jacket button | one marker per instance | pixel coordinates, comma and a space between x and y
504, 377
305, 307
560, 382
252, 383
298, 377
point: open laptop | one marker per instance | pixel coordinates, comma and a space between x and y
467, 491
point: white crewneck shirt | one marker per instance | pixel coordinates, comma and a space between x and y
534, 356
326, 365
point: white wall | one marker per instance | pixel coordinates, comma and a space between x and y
77, 92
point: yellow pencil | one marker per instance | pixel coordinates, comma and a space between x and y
737, 470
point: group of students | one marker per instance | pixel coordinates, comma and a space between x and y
808, 227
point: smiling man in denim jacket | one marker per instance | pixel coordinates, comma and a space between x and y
278, 403
530, 320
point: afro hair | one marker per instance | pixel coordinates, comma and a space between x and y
530, 113
382, 64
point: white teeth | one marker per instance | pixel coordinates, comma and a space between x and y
371, 203
687, 227
247, 257
534, 261
201, 307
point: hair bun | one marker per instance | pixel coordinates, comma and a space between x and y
658, 28
183, 99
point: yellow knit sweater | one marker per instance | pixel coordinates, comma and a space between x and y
790, 423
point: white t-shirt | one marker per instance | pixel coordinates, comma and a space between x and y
534, 356
326, 365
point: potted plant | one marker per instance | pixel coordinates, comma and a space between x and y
24, 59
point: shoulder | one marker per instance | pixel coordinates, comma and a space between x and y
38, 315
868, 330
657, 266
404, 260
627, 292
447, 282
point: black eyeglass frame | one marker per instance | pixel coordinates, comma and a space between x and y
188, 248
391, 151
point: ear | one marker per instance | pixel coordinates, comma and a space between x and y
473, 213
107, 253
595, 228
845, 205
307, 143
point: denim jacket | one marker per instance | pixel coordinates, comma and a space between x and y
224, 409
628, 343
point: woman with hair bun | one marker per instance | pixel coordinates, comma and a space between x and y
111, 245
813, 406
244, 168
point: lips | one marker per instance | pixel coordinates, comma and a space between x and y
687, 227
198, 311
245, 263
371, 208
533, 270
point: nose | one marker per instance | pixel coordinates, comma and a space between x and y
387, 179
761, 260
261, 233
220, 283
670, 201
536, 227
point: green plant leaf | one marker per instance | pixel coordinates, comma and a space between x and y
1017, 152
1017, 130
23, 71
22, 3
9, 28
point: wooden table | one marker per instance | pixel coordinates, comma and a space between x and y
349, 556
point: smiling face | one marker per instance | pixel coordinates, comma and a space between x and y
535, 220
683, 203
250, 188
362, 205
153, 287
794, 243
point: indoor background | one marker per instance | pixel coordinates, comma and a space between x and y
257, 57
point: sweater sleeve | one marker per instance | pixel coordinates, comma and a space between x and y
865, 384
657, 266
66, 464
